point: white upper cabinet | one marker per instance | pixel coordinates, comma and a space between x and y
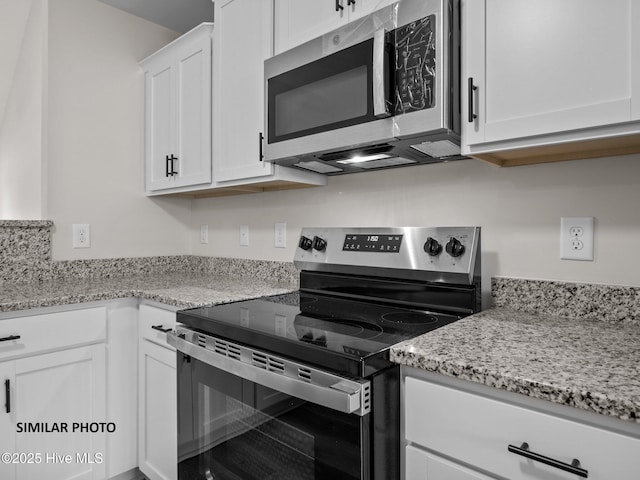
204, 109
243, 40
177, 113
298, 21
534, 72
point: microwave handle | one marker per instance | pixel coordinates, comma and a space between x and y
380, 75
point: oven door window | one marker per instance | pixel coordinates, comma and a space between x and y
332, 92
233, 429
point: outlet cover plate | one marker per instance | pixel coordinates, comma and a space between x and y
81, 235
576, 238
204, 233
280, 235
244, 235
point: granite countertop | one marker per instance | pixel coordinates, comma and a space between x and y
583, 363
177, 289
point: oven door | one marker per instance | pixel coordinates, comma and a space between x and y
232, 428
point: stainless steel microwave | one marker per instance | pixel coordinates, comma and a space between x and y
382, 91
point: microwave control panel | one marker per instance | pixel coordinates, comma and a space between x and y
415, 65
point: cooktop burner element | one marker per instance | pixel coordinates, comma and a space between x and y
410, 318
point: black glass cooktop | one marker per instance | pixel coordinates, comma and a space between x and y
346, 336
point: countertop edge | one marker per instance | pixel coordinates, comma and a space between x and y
586, 400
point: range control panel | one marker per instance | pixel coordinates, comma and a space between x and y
445, 254
372, 243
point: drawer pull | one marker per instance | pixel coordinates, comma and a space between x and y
10, 337
7, 393
573, 467
160, 329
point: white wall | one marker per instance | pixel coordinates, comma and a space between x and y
96, 135
518, 208
22, 101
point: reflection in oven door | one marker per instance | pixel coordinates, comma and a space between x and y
230, 428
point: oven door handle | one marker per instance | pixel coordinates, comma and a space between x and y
321, 388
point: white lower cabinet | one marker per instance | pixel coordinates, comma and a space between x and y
456, 434
122, 387
53, 419
422, 465
157, 395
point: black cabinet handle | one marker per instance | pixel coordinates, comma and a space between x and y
339, 5
472, 89
160, 329
573, 467
169, 165
7, 393
10, 337
260, 140
351, 2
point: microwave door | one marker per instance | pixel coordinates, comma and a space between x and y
333, 102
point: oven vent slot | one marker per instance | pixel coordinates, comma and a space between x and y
259, 360
266, 362
276, 366
223, 348
202, 341
304, 374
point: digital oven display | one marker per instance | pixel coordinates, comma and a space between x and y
372, 243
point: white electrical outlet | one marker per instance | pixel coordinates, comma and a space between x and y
81, 235
576, 238
244, 235
281, 235
204, 233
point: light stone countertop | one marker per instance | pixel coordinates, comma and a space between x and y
177, 289
587, 364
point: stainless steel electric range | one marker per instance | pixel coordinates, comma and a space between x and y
300, 386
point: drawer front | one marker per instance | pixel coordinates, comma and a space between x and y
51, 331
154, 322
478, 430
421, 465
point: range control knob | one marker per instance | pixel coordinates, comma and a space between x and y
432, 247
454, 247
305, 243
319, 244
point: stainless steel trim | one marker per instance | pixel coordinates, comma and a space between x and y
322, 388
380, 105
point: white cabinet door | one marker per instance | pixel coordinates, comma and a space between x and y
7, 418
298, 21
160, 125
360, 8
158, 448
64, 389
546, 66
178, 112
241, 44
122, 386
